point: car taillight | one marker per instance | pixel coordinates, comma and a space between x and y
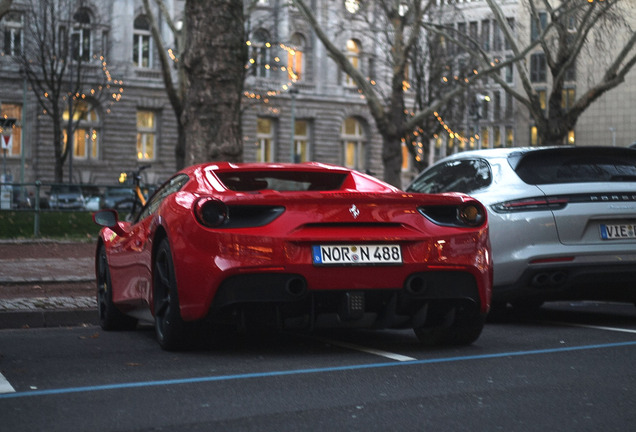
465, 215
210, 212
531, 204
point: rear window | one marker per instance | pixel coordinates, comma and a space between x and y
576, 165
248, 181
465, 175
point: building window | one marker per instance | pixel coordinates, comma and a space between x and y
510, 137
484, 137
538, 68
301, 141
146, 135
567, 98
473, 30
354, 155
485, 35
264, 140
496, 36
15, 112
461, 32
13, 34
535, 140
537, 25
295, 58
260, 54
496, 111
496, 137
509, 71
572, 24
543, 101
511, 24
81, 36
353, 54
570, 73
142, 43
509, 105
406, 82
85, 143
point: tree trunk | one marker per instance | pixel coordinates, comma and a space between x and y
180, 149
57, 149
392, 160
214, 62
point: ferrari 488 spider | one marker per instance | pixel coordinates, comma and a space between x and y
296, 246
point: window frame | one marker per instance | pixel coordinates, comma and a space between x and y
355, 141
13, 30
142, 37
143, 133
87, 128
265, 141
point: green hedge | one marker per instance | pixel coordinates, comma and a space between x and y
77, 225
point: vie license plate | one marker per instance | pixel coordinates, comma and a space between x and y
620, 231
357, 254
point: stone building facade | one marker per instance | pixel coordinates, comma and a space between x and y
332, 123
291, 80
504, 121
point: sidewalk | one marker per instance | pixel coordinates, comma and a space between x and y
47, 292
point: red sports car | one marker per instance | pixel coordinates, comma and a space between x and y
296, 246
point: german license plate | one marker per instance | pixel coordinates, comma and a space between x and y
357, 254
619, 231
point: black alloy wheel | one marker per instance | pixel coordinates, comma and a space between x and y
172, 332
110, 318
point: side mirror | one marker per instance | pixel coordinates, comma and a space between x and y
109, 219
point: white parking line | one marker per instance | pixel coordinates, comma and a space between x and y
5, 387
367, 350
614, 329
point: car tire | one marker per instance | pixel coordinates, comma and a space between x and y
461, 327
172, 332
110, 318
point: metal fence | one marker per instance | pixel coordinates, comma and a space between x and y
41, 197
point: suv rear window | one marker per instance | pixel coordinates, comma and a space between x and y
464, 175
575, 165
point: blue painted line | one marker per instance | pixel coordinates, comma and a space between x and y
198, 380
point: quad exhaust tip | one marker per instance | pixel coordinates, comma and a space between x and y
549, 279
296, 287
416, 285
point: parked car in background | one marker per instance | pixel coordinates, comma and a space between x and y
93, 203
66, 197
295, 246
562, 220
118, 196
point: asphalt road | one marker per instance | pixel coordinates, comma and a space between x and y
569, 369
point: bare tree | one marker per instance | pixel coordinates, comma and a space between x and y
397, 26
214, 62
564, 32
67, 79
172, 69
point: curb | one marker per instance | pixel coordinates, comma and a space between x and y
20, 280
48, 318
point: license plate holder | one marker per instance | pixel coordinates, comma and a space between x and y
356, 254
618, 231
